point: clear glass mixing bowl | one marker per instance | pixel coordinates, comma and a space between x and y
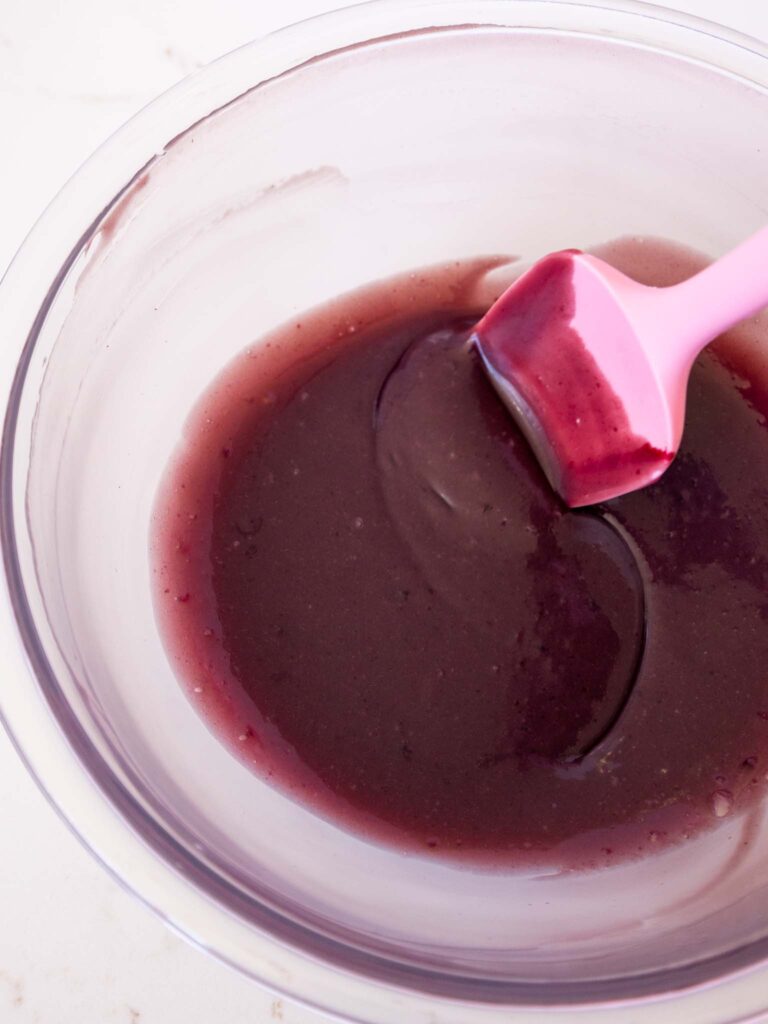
387, 136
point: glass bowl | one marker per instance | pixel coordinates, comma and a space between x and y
359, 144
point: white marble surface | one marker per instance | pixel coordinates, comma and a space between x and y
75, 948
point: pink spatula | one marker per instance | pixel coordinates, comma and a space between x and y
595, 366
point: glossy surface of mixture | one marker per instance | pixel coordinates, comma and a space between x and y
374, 595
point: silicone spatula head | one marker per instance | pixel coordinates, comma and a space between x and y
595, 366
564, 348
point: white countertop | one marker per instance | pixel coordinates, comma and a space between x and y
74, 947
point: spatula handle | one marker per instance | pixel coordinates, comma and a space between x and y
731, 289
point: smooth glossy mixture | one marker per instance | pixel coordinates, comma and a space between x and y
373, 594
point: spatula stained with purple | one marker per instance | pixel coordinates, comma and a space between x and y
594, 366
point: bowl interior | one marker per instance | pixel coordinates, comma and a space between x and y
399, 153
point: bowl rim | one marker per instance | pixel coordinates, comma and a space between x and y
104, 815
